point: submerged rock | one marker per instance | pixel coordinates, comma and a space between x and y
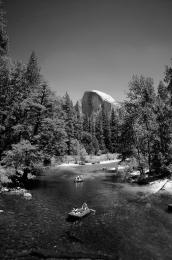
27, 195
4, 189
17, 191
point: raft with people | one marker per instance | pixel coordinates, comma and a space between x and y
80, 212
78, 179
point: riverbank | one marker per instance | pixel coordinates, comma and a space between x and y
89, 163
117, 173
95, 166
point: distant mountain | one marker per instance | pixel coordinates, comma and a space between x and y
93, 100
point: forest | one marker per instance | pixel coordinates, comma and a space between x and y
36, 124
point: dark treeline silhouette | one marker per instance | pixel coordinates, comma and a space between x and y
36, 125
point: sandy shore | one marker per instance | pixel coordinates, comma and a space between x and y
77, 164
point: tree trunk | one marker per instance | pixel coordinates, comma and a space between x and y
25, 174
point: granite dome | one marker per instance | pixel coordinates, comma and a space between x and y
93, 100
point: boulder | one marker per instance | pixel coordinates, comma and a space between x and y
27, 195
93, 100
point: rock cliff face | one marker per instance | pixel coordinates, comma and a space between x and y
93, 100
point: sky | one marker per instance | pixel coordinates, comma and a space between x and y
92, 44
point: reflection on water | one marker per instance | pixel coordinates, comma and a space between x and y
127, 224
79, 185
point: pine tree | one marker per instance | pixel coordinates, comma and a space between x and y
3, 32
162, 148
141, 109
114, 125
41, 106
52, 137
99, 132
168, 81
4, 82
92, 126
69, 120
86, 124
33, 76
126, 137
78, 124
88, 142
106, 129
5, 105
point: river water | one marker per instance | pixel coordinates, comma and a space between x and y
127, 224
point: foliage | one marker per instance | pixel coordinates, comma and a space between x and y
106, 129
78, 121
99, 133
114, 126
3, 32
52, 137
22, 155
69, 121
87, 142
145, 132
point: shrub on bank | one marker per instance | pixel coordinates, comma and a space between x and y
4, 176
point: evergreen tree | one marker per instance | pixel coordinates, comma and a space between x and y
106, 129
78, 123
141, 106
92, 126
126, 137
88, 142
5, 106
69, 120
3, 32
33, 75
86, 123
17, 117
162, 92
52, 137
114, 125
168, 81
99, 132
162, 148
43, 108
95, 145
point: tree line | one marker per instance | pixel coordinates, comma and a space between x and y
35, 124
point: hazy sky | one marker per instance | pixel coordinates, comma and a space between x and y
92, 44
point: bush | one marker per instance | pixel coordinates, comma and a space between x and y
22, 155
36, 170
132, 164
99, 152
4, 176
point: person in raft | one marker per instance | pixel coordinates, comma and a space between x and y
77, 178
84, 206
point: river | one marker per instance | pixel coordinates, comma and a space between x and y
127, 224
